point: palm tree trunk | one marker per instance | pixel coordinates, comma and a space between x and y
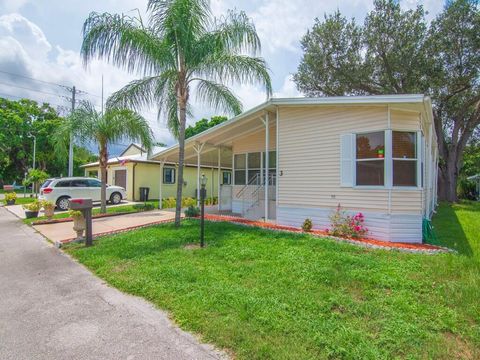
103, 177
182, 105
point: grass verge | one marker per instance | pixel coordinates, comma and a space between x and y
273, 295
110, 210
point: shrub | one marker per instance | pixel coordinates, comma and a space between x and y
307, 225
192, 211
344, 225
75, 214
188, 201
11, 196
33, 206
144, 207
467, 189
171, 202
48, 204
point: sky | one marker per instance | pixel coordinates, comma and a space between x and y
41, 39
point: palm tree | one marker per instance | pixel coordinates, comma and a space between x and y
182, 49
88, 125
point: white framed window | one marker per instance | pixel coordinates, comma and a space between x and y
405, 157
240, 166
370, 159
168, 175
226, 178
382, 159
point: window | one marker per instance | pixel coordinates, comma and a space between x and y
370, 159
79, 183
94, 183
272, 167
227, 178
240, 174
254, 167
45, 184
64, 183
168, 175
404, 156
93, 173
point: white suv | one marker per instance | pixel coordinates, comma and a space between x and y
59, 190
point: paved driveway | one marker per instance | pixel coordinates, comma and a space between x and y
53, 308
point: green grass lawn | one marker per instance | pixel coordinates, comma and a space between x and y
96, 210
273, 295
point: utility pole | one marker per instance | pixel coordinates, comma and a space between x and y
70, 149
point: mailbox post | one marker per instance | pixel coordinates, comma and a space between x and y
85, 206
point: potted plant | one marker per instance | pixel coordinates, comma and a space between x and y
79, 224
32, 209
10, 198
48, 208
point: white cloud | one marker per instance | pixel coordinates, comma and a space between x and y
288, 89
25, 50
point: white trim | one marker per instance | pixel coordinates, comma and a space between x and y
220, 173
267, 158
160, 205
388, 158
277, 151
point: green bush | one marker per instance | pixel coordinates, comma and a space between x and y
307, 225
33, 206
171, 202
466, 189
11, 196
192, 211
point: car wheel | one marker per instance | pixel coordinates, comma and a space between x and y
63, 203
115, 198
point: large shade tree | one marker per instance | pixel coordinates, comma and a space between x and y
398, 52
90, 126
181, 50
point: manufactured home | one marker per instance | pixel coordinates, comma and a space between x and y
132, 169
299, 158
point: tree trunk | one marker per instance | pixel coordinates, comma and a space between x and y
182, 115
103, 177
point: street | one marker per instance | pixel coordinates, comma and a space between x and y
51, 307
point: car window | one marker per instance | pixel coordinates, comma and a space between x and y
45, 184
63, 183
94, 183
79, 183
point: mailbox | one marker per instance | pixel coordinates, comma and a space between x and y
80, 204
85, 206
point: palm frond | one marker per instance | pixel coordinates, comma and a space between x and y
218, 96
242, 69
125, 42
235, 33
179, 19
126, 124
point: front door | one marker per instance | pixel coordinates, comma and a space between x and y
121, 178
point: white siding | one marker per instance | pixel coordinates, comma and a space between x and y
310, 163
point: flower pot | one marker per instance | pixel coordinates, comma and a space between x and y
79, 226
31, 214
49, 212
10, 202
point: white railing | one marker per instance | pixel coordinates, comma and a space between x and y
252, 195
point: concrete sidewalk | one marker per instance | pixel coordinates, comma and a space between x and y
53, 308
64, 231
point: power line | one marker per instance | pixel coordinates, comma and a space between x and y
30, 89
49, 82
30, 78
27, 98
